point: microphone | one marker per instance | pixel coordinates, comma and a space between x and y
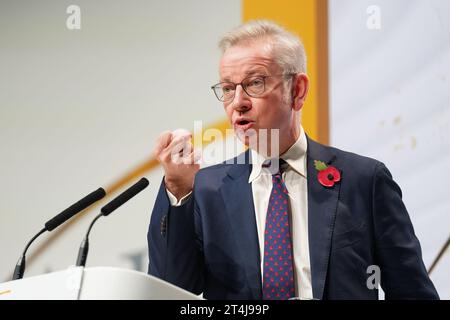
105, 211
55, 222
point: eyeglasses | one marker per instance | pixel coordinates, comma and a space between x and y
254, 86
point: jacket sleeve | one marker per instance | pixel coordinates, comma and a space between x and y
403, 273
175, 253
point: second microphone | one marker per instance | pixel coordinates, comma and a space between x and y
105, 211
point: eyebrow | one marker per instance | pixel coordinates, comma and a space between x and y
254, 71
247, 74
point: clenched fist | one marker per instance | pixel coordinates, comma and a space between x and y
176, 154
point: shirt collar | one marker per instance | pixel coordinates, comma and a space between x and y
295, 156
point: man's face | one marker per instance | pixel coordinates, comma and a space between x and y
273, 109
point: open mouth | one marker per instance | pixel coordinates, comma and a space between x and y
243, 122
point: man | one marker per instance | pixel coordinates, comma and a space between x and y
310, 228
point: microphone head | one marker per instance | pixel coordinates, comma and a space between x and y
124, 196
74, 209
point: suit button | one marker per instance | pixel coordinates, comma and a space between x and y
163, 226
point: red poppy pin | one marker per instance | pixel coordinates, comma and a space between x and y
327, 175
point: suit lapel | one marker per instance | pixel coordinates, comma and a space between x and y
238, 196
322, 206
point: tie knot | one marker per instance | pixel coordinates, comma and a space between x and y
276, 166
283, 165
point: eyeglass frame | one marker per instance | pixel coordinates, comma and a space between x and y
243, 88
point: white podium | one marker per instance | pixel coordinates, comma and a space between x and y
96, 283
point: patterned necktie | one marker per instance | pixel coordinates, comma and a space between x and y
278, 283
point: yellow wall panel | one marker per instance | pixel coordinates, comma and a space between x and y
308, 20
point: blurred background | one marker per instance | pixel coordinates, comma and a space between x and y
84, 95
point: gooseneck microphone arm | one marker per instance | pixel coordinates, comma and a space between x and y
84, 247
55, 222
105, 211
19, 270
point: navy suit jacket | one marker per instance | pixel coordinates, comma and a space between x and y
210, 243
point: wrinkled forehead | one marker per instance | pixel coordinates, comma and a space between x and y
247, 59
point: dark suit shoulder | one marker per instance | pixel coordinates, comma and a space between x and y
349, 161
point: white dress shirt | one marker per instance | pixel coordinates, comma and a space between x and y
295, 180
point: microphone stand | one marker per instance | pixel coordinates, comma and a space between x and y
19, 270
84, 247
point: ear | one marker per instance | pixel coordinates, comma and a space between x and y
300, 87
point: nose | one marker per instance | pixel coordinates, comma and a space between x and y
241, 101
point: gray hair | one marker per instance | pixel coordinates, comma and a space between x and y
287, 49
